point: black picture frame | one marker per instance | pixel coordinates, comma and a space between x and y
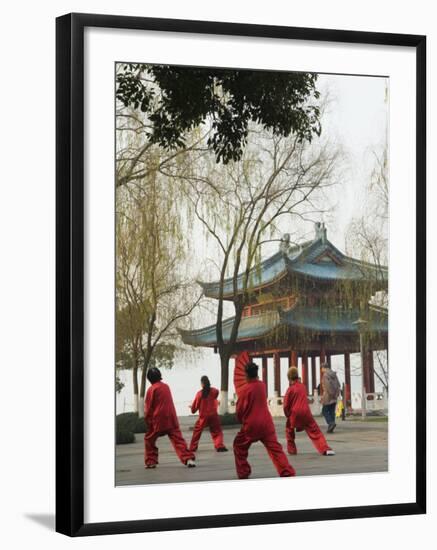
70, 273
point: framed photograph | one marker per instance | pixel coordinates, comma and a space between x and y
240, 274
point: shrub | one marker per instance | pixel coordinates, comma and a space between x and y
228, 419
126, 421
140, 426
130, 422
124, 436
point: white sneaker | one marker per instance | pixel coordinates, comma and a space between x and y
329, 452
190, 463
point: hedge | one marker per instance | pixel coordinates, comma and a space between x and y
126, 426
131, 422
124, 436
228, 419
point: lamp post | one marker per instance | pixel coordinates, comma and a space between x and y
361, 325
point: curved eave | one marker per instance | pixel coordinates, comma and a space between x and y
269, 272
302, 262
251, 328
301, 319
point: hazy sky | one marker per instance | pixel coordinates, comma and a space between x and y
356, 119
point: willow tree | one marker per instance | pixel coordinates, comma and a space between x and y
152, 291
367, 238
128, 339
240, 206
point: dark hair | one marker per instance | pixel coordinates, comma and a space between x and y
251, 370
153, 375
206, 386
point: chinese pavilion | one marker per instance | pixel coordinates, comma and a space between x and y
304, 302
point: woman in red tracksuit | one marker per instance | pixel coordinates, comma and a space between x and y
299, 416
160, 415
257, 425
206, 403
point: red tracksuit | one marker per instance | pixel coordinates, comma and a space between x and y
299, 417
160, 415
257, 425
207, 407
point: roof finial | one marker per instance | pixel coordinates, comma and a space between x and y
320, 231
323, 233
284, 245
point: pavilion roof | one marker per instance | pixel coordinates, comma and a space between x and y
317, 259
316, 320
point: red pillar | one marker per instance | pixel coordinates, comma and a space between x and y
292, 359
313, 373
277, 370
322, 360
347, 378
369, 373
305, 371
265, 374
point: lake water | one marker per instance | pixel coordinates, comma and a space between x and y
184, 379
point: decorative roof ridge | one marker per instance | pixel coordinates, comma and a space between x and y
318, 245
302, 248
319, 242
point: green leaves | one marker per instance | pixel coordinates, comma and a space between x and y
178, 99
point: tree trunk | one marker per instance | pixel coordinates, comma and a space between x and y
224, 383
142, 391
146, 361
135, 386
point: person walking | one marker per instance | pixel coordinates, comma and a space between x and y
206, 403
330, 386
161, 418
257, 425
299, 416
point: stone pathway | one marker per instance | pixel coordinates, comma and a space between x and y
360, 447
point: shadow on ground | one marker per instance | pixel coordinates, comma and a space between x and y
46, 520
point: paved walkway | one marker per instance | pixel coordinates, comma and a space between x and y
360, 447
